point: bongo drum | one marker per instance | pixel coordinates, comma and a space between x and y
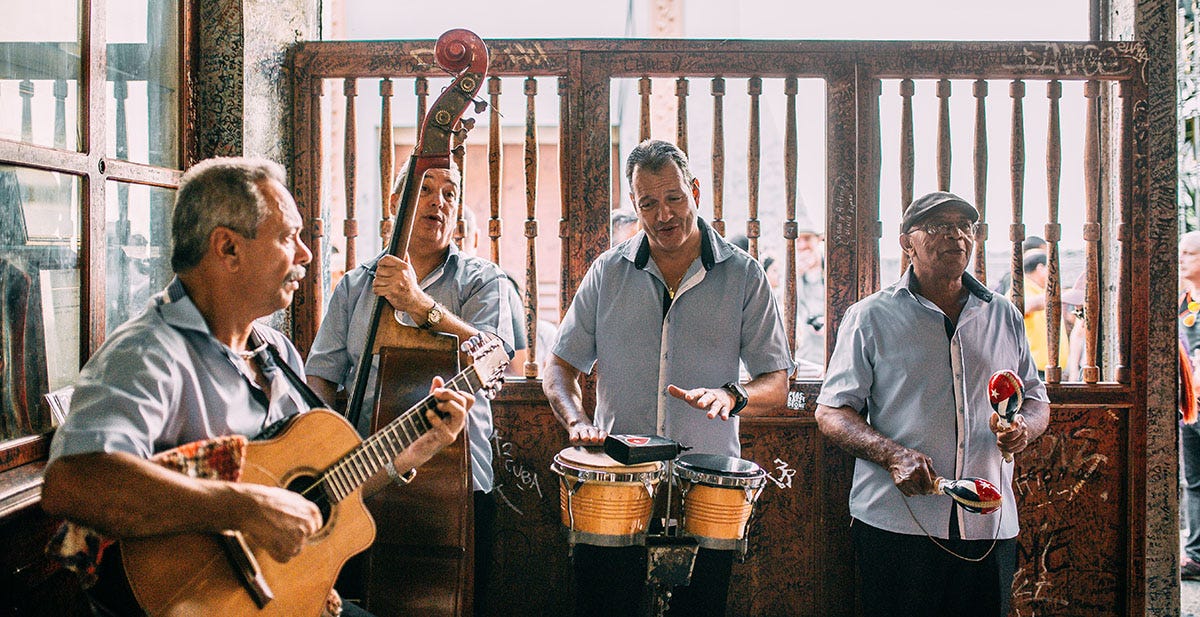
718, 494
603, 502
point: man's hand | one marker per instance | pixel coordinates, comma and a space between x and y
586, 434
453, 406
396, 281
1013, 439
714, 401
912, 472
276, 519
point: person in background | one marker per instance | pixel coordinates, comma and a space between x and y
1189, 433
1031, 243
1037, 275
906, 393
810, 302
624, 224
1074, 302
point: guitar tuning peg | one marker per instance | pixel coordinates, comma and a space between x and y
480, 106
468, 123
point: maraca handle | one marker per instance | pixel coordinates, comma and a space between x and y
1004, 424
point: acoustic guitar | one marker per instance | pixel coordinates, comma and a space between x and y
319, 455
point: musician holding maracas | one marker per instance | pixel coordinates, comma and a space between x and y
906, 392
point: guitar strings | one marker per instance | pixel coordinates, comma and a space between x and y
425, 404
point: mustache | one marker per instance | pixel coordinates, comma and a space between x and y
295, 274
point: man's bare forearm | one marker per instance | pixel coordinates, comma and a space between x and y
560, 383
849, 430
124, 496
766, 392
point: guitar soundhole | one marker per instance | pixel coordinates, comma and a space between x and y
314, 492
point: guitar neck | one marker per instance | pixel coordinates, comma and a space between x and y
348, 475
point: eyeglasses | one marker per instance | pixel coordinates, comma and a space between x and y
948, 228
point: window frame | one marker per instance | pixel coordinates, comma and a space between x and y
99, 174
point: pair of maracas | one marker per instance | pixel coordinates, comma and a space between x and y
1005, 393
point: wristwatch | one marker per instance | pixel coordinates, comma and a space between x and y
740, 396
433, 317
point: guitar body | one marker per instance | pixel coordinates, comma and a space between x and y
189, 574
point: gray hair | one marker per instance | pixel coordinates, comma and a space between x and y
1190, 240
218, 192
654, 155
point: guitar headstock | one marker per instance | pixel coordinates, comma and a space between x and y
489, 360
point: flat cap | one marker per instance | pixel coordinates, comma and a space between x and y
928, 204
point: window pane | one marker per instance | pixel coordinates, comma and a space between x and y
142, 100
39, 286
39, 73
139, 265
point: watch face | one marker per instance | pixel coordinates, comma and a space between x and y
435, 314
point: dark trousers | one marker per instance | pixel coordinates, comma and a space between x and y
1189, 437
611, 582
485, 539
909, 576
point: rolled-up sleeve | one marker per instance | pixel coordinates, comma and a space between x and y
850, 374
577, 333
764, 339
121, 403
488, 308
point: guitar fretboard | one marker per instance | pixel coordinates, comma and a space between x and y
348, 475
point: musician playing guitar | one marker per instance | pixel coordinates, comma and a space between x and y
196, 365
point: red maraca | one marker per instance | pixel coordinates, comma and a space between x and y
973, 494
1006, 392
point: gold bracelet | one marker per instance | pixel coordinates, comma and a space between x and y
401, 480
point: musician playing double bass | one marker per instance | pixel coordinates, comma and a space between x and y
437, 288
665, 318
195, 366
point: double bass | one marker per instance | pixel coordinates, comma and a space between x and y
422, 560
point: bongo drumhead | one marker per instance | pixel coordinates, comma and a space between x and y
594, 459
717, 464
718, 470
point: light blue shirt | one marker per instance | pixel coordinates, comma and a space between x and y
162, 380
927, 389
474, 289
723, 313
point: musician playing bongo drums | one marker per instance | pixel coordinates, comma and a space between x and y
196, 366
665, 318
906, 392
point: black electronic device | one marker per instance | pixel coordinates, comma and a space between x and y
636, 449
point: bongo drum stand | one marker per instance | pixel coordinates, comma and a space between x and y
669, 558
669, 561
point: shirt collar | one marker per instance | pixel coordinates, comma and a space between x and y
713, 248
976, 288
177, 308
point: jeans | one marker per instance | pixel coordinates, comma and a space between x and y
1189, 437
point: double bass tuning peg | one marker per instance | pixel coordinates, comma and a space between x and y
480, 106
